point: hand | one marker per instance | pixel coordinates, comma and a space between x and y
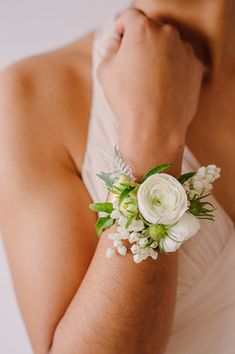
151, 78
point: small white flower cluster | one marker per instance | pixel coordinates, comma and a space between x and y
201, 182
132, 233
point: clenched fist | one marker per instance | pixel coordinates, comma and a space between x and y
151, 78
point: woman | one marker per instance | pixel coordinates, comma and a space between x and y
167, 96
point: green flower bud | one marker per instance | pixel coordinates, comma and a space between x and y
199, 208
129, 206
133, 193
120, 184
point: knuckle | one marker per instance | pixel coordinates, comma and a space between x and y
131, 15
135, 13
170, 29
143, 22
128, 13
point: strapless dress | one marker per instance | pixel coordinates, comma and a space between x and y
204, 320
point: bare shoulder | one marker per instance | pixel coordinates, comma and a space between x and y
46, 98
44, 214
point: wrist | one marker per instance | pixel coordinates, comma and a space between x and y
160, 212
145, 131
143, 154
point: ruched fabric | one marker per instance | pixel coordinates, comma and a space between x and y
204, 321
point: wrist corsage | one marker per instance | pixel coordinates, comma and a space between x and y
156, 215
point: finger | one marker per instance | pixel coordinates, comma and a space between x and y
127, 19
192, 52
204, 69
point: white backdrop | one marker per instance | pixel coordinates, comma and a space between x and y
28, 27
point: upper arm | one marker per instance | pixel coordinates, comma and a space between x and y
44, 217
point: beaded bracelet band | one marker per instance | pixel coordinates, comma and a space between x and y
156, 215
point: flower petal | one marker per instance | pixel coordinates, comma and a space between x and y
184, 229
162, 199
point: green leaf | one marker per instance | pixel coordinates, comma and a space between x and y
150, 241
102, 224
183, 178
105, 207
124, 194
129, 221
200, 209
161, 247
106, 178
157, 169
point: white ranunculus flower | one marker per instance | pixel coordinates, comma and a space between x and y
185, 228
162, 199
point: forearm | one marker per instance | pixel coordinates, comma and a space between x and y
122, 306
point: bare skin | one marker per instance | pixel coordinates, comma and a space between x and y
43, 97
211, 134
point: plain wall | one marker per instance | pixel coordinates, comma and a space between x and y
28, 27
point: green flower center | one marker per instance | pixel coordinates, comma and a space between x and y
157, 232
